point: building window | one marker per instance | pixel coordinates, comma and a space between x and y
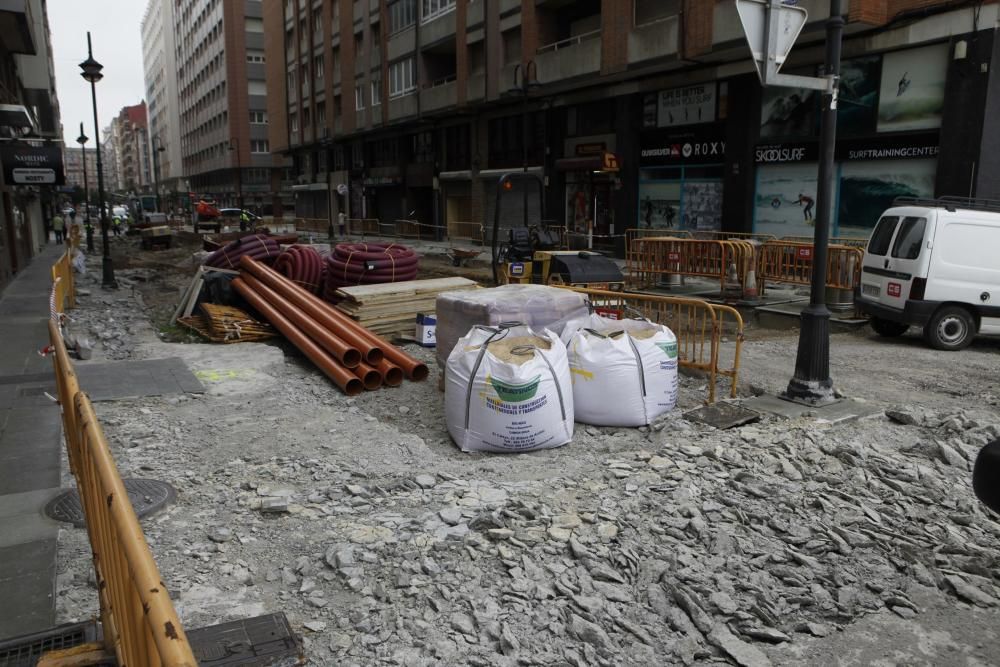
319, 68
359, 97
258, 118
256, 57
321, 114
431, 9
293, 122
336, 62
402, 15
402, 77
649, 11
259, 146
291, 81
511, 45
376, 89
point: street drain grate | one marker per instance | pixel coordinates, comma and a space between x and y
147, 496
722, 415
24, 651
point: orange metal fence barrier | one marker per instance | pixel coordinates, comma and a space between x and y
852, 241
650, 258
709, 336
726, 236
790, 262
465, 231
63, 284
139, 622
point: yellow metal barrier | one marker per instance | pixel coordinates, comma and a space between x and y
364, 227
651, 257
709, 336
728, 236
139, 621
315, 225
852, 241
465, 231
411, 229
790, 262
63, 283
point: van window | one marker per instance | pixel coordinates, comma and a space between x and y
882, 236
909, 239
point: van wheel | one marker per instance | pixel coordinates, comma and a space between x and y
951, 328
888, 328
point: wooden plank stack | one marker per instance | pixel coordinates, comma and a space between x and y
391, 309
225, 324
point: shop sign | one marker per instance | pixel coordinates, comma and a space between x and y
686, 106
913, 147
32, 165
590, 149
609, 162
706, 145
376, 181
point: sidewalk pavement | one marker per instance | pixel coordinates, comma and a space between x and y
30, 453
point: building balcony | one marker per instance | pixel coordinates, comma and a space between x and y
570, 58
653, 40
474, 13
439, 95
509, 5
402, 107
402, 44
15, 27
438, 28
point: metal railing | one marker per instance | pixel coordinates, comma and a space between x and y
572, 41
651, 258
641, 233
792, 263
709, 336
852, 241
140, 625
466, 231
727, 236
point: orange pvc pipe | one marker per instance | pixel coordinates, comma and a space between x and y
340, 376
392, 375
371, 378
414, 369
346, 354
371, 352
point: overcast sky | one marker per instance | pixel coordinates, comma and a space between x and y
114, 28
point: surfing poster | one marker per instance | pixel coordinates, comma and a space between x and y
912, 91
785, 204
867, 188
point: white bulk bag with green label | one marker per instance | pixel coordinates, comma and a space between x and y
507, 389
624, 371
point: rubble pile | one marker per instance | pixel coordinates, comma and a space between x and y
674, 544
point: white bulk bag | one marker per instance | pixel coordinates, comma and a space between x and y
624, 371
504, 392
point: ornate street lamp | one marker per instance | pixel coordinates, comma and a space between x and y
82, 140
91, 72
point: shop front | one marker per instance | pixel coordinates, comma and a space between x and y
681, 174
590, 173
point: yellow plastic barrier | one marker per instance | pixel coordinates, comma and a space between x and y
709, 336
140, 625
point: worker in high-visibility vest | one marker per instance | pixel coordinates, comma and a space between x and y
244, 220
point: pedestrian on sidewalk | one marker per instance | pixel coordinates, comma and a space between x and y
58, 226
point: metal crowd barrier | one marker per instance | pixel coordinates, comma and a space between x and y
790, 262
315, 225
728, 236
709, 336
652, 257
852, 241
140, 625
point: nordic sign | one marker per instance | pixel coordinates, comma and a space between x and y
770, 37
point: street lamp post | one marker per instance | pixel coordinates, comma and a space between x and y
91, 72
525, 78
157, 149
82, 140
811, 382
234, 145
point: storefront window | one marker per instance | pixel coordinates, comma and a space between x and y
682, 198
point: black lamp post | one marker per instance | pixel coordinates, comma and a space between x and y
157, 149
92, 73
82, 140
525, 78
811, 383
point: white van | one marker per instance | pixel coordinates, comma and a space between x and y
934, 264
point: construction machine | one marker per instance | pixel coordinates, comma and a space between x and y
530, 253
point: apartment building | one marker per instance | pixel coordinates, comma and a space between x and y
132, 150
159, 61
225, 148
31, 129
73, 165
413, 108
109, 159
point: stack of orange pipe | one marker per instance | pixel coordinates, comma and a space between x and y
351, 356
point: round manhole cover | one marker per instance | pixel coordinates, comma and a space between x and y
147, 496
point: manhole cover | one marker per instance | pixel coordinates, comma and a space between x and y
722, 415
147, 496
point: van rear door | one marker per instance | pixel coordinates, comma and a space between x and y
895, 256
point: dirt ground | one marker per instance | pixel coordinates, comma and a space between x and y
780, 542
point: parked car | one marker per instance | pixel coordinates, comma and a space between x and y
934, 264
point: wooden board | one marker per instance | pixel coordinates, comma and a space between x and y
398, 292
